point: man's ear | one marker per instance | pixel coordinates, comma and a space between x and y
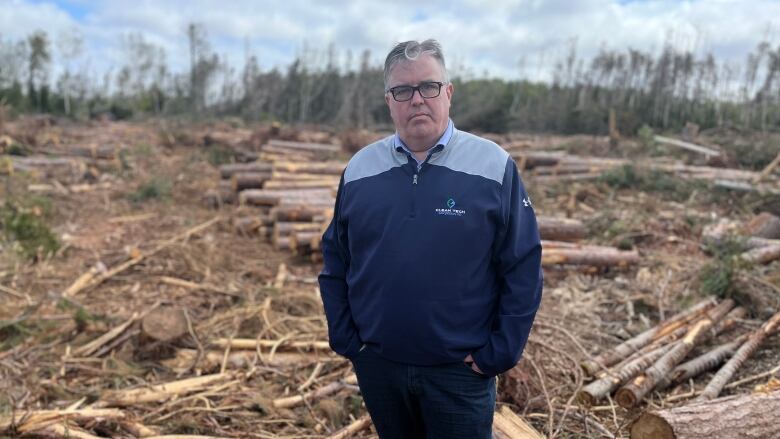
449, 90
387, 99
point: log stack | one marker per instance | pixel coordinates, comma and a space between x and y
557, 166
290, 193
655, 359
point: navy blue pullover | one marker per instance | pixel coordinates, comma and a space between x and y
428, 265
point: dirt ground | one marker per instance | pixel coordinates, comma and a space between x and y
154, 192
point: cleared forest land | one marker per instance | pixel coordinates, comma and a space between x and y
159, 278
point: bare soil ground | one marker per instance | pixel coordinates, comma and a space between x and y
153, 192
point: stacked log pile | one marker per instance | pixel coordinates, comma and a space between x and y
554, 166
656, 358
291, 191
289, 194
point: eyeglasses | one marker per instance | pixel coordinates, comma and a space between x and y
428, 90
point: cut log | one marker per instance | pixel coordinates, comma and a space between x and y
315, 147
164, 324
764, 225
297, 213
160, 330
707, 361
228, 170
300, 242
704, 362
249, 180
632, 393
744, 416
610, 380
330, 168
560, 229
628, 347
604, 257
762, 255
686, 145
256, 197
252, 225
508, 425
725, 373
303, 184
277, 175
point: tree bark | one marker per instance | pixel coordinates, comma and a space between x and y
762, 255
764, 225
610, 380
745, 417
328, 183
606, 257
297, 213
632, 345
632, 393
227, 171
745, 351
560, 229
249, 180
328, 168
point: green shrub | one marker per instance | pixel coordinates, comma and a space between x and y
719, 276
646, 137
629, 177
156, 188
30, 232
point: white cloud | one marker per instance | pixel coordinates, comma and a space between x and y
493, 37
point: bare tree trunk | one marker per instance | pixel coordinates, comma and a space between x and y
745, 417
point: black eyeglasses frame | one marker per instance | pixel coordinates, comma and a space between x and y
417, 88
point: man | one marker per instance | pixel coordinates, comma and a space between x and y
432, 273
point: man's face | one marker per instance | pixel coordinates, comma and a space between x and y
419, 120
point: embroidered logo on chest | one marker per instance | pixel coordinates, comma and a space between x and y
450, 210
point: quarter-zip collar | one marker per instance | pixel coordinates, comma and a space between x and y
400, 146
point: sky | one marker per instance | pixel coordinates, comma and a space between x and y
499, 38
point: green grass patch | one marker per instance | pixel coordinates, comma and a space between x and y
27, 231
154, 189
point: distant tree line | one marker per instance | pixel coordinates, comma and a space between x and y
663, 90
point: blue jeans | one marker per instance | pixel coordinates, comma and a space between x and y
427, 402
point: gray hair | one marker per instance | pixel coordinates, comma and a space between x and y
410, 51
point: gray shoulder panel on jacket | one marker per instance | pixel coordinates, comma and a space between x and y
373, 159
473, 155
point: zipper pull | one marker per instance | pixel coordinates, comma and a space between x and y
414, 180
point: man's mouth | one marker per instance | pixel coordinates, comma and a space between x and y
416, 115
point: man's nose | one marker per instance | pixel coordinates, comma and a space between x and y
417, 98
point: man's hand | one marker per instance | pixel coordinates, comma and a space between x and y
470, 361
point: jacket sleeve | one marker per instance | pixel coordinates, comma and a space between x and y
517, 257
342, 332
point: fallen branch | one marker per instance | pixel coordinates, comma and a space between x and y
630, 394
360, 424
95, 276
745, 351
